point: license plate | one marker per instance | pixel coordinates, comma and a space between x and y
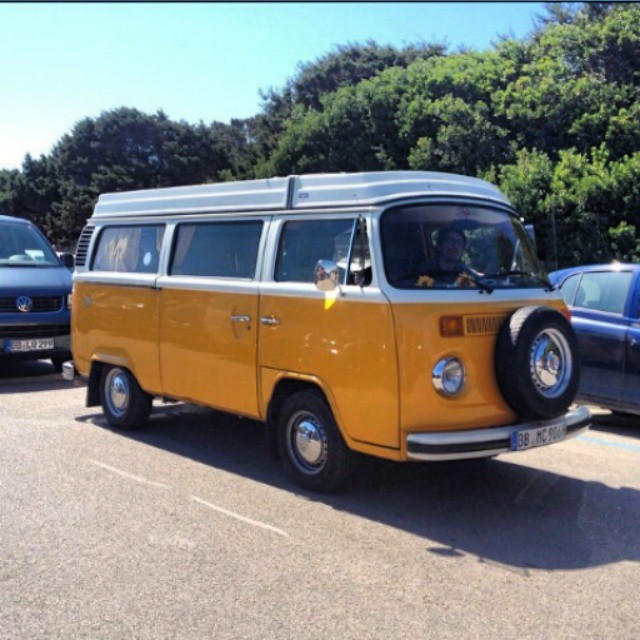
32, 344
529, 438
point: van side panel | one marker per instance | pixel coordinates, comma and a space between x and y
117, 325
208, 347
348, 343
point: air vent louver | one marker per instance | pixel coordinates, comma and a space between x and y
83, 245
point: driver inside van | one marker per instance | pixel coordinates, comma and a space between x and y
449, 247
448, 266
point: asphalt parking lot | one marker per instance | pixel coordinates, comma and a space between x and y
188, 530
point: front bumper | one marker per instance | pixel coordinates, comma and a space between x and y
482, 443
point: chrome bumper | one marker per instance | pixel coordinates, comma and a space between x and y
481, 443
68, 371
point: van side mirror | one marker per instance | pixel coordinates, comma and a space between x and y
67, 260
326, 275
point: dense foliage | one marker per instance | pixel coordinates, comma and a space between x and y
553, 119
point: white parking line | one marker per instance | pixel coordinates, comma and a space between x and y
255, 523
124, 474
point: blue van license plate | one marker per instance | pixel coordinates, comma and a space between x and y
32, 344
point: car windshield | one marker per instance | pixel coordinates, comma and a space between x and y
458, 246
22, 246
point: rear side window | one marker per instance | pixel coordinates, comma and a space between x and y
568, 288
303, 243
604, 291
130, 249
217, 249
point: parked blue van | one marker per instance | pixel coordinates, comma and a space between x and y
34, 295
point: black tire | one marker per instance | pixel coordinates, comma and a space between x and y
325, 464
58, 362
125, 405
534, 388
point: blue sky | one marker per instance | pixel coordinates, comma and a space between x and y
196, 62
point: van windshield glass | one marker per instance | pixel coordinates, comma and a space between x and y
22, 246
458, 246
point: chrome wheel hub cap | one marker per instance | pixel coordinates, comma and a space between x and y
117, 391
307, 442
550, 363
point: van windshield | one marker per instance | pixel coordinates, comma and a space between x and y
22, 246
458, 246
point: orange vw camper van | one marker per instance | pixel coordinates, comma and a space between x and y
403, 315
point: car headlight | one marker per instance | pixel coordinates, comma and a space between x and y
448, 376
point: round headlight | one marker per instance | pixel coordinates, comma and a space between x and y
448, 376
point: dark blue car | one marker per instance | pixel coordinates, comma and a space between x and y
34, 292
605, 312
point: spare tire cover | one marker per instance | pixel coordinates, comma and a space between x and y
537, 362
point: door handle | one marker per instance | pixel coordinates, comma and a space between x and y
242, 319
270, 321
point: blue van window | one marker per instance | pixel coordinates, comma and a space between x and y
21, 245
604, 291
130, 249
568, 288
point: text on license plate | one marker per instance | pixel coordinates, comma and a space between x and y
529, 438
32, 344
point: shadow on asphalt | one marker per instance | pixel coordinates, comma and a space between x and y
30, 375
516, 516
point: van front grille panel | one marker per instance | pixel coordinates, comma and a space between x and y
483, 325
35, 331
41, 304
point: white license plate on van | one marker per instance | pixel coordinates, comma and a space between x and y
32, 344
529, 438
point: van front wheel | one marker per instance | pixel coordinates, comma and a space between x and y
310, 444
125, 405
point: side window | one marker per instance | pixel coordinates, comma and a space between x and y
568, 288
303, 243
604, 291
217, 249
130, 249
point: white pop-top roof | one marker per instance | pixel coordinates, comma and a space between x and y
295, 193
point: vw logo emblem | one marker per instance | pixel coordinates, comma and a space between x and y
24, 304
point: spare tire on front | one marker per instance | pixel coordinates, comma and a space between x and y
537, 362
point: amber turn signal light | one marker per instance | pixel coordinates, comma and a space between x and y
451, 326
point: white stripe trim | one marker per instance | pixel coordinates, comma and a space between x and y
195, 283
530, 295
116, 278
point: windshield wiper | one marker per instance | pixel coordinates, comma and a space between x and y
528, 274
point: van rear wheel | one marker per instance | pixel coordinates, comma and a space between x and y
310, 444
124, 404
